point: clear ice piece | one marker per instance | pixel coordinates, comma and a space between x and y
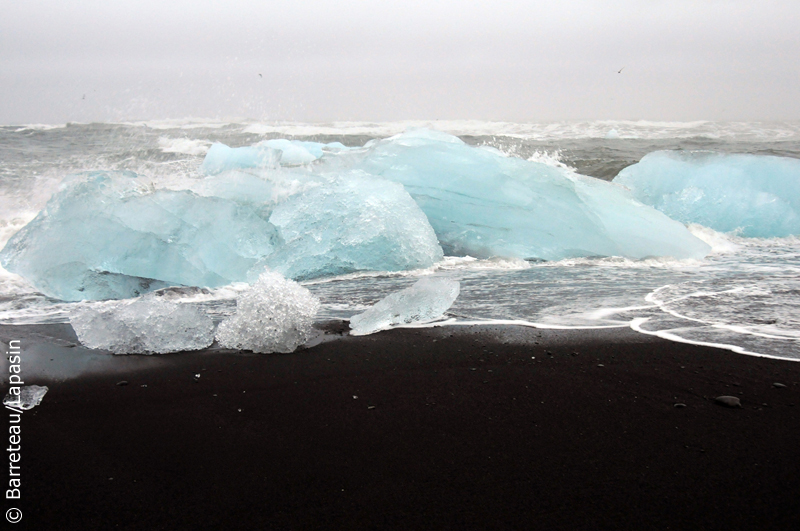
426, 300
151, 324
275, 315
29, 397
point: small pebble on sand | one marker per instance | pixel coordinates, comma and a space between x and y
728, 401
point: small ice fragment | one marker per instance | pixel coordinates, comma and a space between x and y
426, 300
274, 315
29, 397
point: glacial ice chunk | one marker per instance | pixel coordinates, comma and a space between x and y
296, 152
351, 221
425, 301
755, 195
152, 324
222, 158
275, 315
110, 235
484, 204
29, 397
266, 154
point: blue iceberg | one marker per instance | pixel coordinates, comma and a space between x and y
349, 222
267, 154
112, 235
482, 203
296, 152
220, 158
392, 205
754, 195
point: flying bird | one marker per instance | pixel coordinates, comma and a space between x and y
259, 75
620, 70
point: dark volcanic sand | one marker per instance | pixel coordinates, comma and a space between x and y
467, 432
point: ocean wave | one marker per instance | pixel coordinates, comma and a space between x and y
601, 129
186, 146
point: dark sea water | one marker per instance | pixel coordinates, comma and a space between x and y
744, 296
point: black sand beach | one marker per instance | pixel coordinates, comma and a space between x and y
449, 428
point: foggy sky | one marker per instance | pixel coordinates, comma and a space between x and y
391, 60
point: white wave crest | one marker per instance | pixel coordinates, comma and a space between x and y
600, 129
183, 145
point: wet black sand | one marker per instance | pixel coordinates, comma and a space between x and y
452, 428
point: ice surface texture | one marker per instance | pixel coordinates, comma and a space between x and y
483, 204
151, 324
426, 300
29, 397
274, 315
754, 194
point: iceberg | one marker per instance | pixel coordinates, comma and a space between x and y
274, 315
110, 235
29, 397
426, 300
351, 221
297, 152
483, 204
266, 154
754, 195
395, 204
220, 158
152, 324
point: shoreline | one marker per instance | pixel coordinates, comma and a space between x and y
453, 427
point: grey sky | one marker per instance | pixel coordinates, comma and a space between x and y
390, 60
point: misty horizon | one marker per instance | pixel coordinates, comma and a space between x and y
315, 62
